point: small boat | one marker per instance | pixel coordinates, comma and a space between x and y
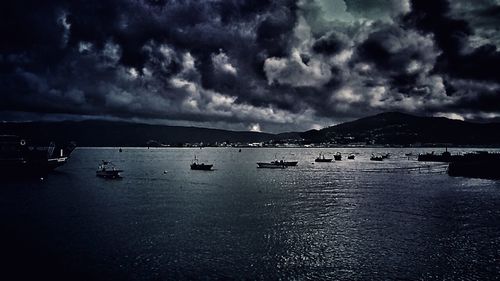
443, 157
203, 167
337, 156
19, 159
409, 154
376, 158
272, 165
321, 158
351, 157
108, 171
120, 150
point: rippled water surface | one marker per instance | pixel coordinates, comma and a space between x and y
346, 220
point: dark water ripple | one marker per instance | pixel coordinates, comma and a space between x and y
349, 220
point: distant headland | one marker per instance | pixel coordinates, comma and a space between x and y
385, 129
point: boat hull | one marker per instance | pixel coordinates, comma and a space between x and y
323, 160
18, 159
437, 158
114, 174
286, 163
53, 163
271, 165
201, 167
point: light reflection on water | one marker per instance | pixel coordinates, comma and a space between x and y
353, 219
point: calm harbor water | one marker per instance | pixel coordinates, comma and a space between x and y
348, 220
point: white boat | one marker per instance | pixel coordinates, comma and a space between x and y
321, 158
108, 171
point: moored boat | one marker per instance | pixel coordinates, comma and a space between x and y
202, 166
108, 170
376, 157
321, 158
19, 158
195, 165
337, 156
351, 157
443, 157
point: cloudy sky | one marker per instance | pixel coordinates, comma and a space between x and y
249, 65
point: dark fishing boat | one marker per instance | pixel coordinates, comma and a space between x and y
351, 157
19, 158
321, 158
337, 156
443, 157
195, 165
108, 170
376, 157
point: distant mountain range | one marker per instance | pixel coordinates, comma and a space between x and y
396, 128
110, 133
391, 128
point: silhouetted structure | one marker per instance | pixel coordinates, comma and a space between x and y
19, 158
443, 157
476, 165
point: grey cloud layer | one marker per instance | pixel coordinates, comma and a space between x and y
277, 65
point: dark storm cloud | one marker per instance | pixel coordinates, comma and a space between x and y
452, 35
330, 44
281, 64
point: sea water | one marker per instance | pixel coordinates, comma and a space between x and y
346, 220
